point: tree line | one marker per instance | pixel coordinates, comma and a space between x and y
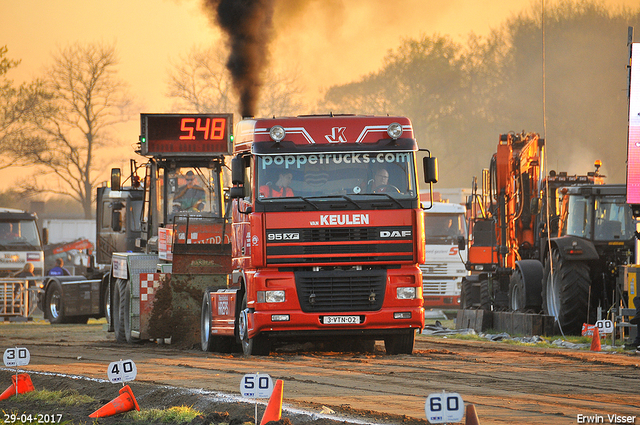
459, 96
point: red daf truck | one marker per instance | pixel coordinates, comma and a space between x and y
328, 235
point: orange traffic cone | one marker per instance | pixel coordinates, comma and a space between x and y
274, 407
123, 403
470, 415
23, 385
595, 340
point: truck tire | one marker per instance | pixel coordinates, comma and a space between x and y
118, 313
256, 346
565, 293
53, 303
107, 306
125, 307
525, 286
401, 343
474, 293
219, 344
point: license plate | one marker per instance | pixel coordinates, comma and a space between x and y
338, 320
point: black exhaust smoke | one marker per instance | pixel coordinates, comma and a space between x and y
248, 23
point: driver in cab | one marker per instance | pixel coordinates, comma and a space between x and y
280, 189
380, 183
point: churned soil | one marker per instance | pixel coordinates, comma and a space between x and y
524, 384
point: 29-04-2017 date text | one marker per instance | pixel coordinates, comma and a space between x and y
35, 418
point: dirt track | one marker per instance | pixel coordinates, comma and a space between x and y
507, 384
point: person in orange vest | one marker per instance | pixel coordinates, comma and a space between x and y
279, 190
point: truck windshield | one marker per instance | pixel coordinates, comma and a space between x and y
193, 190
335, 174
19, 234
444, 229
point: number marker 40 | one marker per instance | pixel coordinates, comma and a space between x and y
122, 371
444, 407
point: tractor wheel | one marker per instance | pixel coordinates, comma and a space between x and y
125, 307
565, 293
208, 342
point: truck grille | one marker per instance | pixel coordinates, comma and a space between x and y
340, 290
434, 269
340, 245
434, 288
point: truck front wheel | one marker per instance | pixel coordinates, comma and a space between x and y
53, 303
402, 343
256, 346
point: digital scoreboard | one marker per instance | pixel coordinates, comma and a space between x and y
186, 134
633, 141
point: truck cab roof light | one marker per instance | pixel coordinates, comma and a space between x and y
394, 130
277, 133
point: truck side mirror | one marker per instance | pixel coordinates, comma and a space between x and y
45, 236
236, 192
462, 245
430, 168
237, 170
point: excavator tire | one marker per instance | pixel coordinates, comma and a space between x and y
525, 287
474, 293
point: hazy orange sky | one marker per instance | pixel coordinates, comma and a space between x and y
330, 41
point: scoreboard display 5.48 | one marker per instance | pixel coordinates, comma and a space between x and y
186, 134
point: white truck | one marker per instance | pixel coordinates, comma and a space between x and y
19, 242
443, 272
20, 245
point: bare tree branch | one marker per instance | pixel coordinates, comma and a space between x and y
66, 131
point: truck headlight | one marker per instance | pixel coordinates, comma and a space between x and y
270, 296
406, 292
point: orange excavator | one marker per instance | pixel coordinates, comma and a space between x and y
516, 217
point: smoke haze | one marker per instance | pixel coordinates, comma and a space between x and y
248, 24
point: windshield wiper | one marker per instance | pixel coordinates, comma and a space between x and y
388, 196
303, 198
339, 196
